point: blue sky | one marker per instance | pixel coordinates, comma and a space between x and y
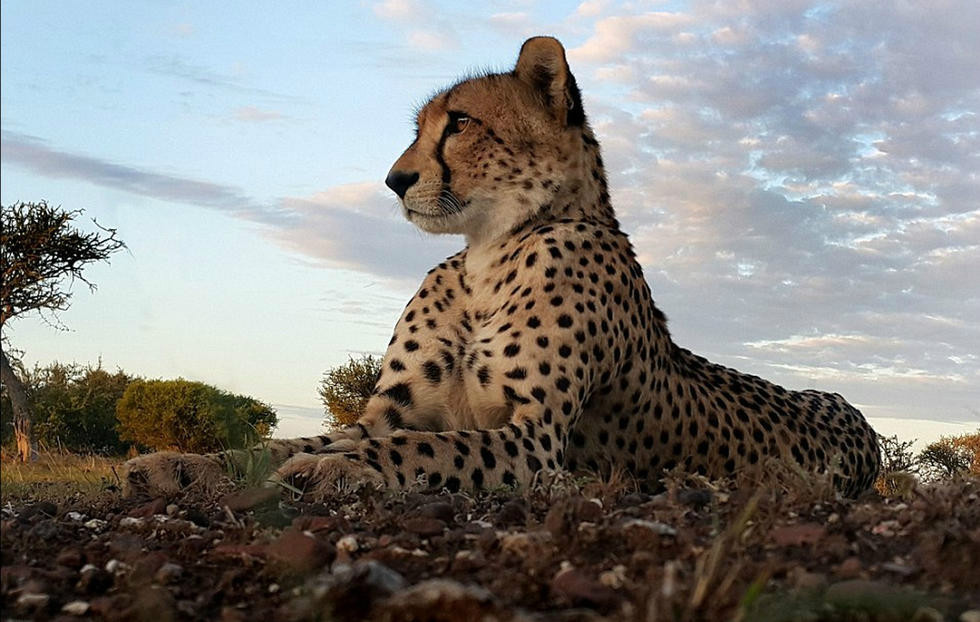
799, 179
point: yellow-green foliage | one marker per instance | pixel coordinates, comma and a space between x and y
345, 389
190, 416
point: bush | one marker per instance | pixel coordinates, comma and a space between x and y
191, 417
950, 456
72, 407
346, 389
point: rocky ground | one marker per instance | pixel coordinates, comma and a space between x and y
565, 550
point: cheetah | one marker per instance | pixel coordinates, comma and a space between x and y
538, 346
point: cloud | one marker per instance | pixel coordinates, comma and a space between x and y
423, 25
33, 154
800, 182
251, 114
355, 226
177, 67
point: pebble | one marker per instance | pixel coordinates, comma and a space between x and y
614, 577
442, 599
93, 580
850, 568
75, 516
439, 509
927, 614
114, 566
33, 602
95, 524
581, 590
76, 608
168, 573
695, 498
301, 551
661, 529
973, 615
130, 521
347, 544
424, 527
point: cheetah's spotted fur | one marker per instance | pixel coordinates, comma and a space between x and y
539, 345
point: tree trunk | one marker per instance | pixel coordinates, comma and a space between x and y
22, 416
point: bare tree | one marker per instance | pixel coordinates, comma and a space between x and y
42, 253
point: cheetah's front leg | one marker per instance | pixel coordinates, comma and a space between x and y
458, 459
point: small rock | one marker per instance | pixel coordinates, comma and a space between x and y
243, 500
973, 615
886, 528
199, 518
231, 614
70, 558
849, 568
634, 498
565, 515
172, 509
76, 608
131, 522
899, 569
439, 600
798, 535
512, 513
95, 524
114, 565
93, 580
352, 589
802, 579
43, 509
75, 516
660, 529
168, 573
30, 602
425, 527
695, 498
299, 551
45, 529
157, 506
927, 614
347, 544
582, 591
439, 509
614, 578
526, 545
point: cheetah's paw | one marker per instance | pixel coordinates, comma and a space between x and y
168, 473
316, 477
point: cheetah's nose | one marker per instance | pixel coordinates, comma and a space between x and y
400, 182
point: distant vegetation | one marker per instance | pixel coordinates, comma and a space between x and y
947, 457
88, 410
190, 416
345, 389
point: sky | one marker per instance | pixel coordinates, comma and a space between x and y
799, 179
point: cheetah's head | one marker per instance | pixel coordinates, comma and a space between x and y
490, 151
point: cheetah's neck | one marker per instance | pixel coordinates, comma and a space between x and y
582, 195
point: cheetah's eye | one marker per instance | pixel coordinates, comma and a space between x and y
458, 122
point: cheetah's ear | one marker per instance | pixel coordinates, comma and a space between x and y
542, 65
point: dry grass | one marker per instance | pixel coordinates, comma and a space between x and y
56, 476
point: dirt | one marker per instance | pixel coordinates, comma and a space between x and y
562, 551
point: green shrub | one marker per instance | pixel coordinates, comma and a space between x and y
190, 416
